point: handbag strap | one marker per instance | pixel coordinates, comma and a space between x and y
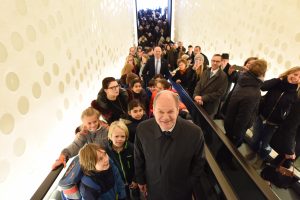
274, 106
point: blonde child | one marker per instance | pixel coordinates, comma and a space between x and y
121, 152
91, 132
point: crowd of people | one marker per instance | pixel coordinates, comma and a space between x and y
153, 27
134, 141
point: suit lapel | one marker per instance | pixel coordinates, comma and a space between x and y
212, 79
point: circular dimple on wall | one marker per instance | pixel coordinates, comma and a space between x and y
287, 64
266, 50
279, 59
59, 17
66, 103
81, 77
297, 36
68, 78
59, 115
284, 46
3, 53
47, 78
23, 105
7, 123
57, 43
55, 69
77, 85
73, 71
260, 46
69, 54
36, 90
45, 2
272, 54
281, 29
39, 58
12, 81
78, 64
42, 27
51, 21
31, 33
4, 170
19, 147
276, 42
21, 7
17, 41
61, 87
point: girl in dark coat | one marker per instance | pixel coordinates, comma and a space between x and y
136, 91
136, 114
281, 94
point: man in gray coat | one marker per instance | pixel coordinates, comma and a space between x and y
211, 87
168, 153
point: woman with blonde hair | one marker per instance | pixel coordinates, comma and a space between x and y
128, 68
274, 108
195, 73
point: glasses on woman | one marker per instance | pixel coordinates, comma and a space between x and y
114, 87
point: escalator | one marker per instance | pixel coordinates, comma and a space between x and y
218, 180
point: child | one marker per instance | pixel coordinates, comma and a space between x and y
91, 132
135, 91
121, 152
95, 174
136, 112
161, 85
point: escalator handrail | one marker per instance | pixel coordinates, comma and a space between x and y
41, 192
260, 183
222, 180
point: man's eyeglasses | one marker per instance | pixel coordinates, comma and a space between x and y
114, 87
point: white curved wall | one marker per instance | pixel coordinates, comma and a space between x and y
53, 56
268, 29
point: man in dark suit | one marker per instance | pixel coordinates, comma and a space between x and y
155, 65
168, 153
211, 87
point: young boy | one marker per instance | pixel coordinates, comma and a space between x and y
92, 175
121, 152
91, 132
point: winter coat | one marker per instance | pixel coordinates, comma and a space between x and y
242, 106
112, 110
275, 107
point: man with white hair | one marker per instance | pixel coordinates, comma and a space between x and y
168, 153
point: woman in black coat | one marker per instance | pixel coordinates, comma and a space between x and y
287, 138
281, 94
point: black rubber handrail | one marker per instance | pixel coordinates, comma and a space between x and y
196, 112
41, 192
222, 180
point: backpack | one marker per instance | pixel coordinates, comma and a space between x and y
70, 180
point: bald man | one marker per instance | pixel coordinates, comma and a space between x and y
155, 65
169, 152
